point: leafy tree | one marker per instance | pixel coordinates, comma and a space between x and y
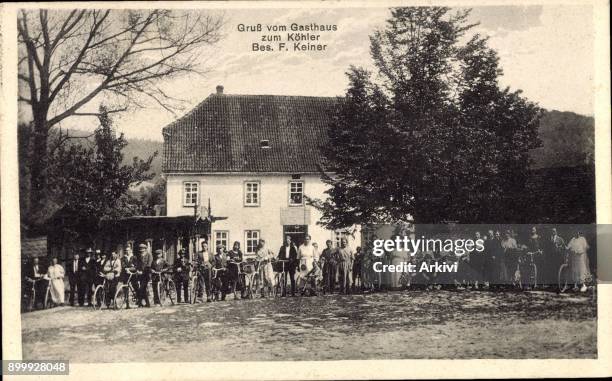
92, 182
147, 198
431, 136
70, 60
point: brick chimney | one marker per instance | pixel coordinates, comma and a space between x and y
219, 90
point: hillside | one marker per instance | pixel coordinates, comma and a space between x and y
143, 148
568, 140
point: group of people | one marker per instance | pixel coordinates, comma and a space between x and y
504, 262
36, 280
86, 270
305, 269
225, 271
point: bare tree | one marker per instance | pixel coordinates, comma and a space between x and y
72, 59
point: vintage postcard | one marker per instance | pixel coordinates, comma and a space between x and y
306, 190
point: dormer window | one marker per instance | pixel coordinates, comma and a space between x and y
264, 143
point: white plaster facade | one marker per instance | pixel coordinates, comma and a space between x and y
273, 214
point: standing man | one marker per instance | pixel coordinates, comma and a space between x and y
553, 255
357, 266
477, 262
330, 267
203, 264
158, 266
100, 259
345, 259
73, 269
87, 276
534, 245
128, 266
489, 254
143, 269
115, 265
288, 252
219, 262
181, 276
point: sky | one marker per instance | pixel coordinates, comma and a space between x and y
546, 51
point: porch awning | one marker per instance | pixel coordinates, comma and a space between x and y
159, 226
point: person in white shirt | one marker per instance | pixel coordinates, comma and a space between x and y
307, 254
579, 264
288, 253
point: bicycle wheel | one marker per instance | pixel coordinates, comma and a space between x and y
248, 291
119, 299
48, 300
517, 278
171, 291
99, 297
193, 289
533, 276
161, 292
215, 288
282, 283
31, 302
563, 277
150, 292
277, 285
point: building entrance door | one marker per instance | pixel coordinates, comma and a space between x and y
296, 232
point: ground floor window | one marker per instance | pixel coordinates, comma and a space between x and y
251, 238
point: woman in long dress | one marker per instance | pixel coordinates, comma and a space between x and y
579, 267
56, 282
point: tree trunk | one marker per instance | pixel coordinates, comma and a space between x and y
39, 162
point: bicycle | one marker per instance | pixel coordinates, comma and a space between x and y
119, 301
100, 294
165, 286
31, 302
250, 278
234, 283
195, 283
280, 277
526, 260
563, 275
216, 284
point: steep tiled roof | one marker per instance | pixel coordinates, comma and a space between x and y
224, 134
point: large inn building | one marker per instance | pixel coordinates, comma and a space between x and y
251, 159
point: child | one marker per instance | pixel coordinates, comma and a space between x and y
308, 280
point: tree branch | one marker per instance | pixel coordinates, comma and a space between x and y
79, 57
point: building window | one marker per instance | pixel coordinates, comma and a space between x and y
251, 238
251, 193
190, 193
296, 193
221, 238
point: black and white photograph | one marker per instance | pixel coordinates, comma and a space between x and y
291, 184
